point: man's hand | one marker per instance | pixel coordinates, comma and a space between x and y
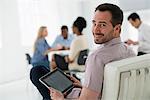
75, 81
129, 42
59, 47
56, 95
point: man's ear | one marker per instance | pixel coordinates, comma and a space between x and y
117, 30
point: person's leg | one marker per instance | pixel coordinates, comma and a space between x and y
35, 74
60, 62
140, 53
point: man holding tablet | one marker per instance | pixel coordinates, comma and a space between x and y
58, 80
106, 30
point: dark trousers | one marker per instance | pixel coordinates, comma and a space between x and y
141, 53
35, 74
60, 62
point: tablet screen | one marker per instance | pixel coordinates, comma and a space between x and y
57, 80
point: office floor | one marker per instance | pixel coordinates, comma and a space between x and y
21, 89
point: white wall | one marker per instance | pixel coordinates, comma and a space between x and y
53, 14
0, 35
128, 5
12, 55
0, 40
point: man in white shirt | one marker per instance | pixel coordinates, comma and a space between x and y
144, 34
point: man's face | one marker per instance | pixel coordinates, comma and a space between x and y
64, 33
102, 27
134, 23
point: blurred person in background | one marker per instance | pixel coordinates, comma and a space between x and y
144, 34
63, 41
78, 44
40, 61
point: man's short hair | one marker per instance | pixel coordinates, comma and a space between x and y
116, 12
134, 16
64, 27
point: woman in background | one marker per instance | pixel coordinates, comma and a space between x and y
41, 47
78, 44
40, 61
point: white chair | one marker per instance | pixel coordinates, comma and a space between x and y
127, 79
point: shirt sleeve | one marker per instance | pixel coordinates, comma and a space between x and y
56, 42
94, 73
42, 46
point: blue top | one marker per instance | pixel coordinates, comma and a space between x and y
64, 42
39, 59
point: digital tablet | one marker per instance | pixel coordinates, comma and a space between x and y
57, 80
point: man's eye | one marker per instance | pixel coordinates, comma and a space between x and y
94, 24
102, 25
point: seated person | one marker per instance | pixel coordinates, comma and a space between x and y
78, 44
106, 28
40, 61
40, 48
63, 41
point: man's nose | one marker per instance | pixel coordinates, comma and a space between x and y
97, 29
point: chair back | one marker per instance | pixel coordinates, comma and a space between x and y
127, 79
82, 57
28, 57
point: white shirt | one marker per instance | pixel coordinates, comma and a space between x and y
144, 38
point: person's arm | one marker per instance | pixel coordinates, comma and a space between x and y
49, 50
43, 47
129, 42
75, 81
57, 45
68, 60
93, 79
66, 48
86, 94
56, 95
135, 43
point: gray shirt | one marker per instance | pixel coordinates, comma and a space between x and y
112, 50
